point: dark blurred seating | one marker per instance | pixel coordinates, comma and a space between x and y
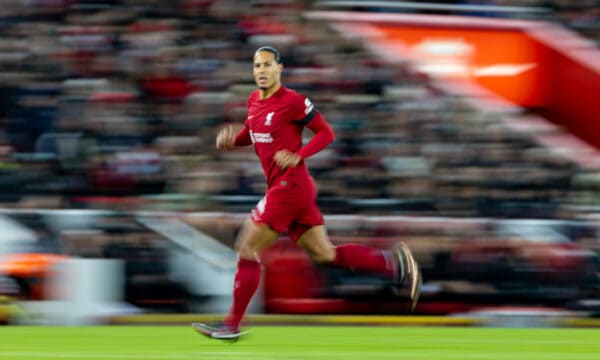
120, 99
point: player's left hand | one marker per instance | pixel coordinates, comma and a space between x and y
286, 159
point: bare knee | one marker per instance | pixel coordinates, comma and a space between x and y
245, 250
323, 257
253, 238
316, 244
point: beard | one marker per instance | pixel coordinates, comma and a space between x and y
265, 86
268, 86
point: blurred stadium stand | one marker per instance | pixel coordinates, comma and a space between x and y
114, 105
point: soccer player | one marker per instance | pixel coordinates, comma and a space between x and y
276, 117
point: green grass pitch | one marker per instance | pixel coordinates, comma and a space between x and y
297, 342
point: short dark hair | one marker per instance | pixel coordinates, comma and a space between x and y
272, 50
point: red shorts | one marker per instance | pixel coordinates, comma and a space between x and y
289, 206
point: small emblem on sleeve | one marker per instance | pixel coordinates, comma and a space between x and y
308, 106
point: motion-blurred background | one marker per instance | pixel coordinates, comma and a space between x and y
467, 129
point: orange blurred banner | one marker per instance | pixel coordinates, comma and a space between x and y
506, 62
532, 64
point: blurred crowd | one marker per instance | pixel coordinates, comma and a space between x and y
175, 264
115, 104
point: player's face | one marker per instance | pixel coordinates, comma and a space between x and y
267, 72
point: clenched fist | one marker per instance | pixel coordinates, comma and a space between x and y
286, 159
226, 138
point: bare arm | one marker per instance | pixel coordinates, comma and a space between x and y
228, 140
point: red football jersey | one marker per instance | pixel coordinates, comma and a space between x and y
276, 123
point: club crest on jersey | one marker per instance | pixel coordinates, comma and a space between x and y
269, 118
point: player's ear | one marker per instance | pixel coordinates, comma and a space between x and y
280, 66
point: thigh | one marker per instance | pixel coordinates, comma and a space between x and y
253, 238
317, 245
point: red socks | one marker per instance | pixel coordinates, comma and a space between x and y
350, 256
357, 257
245, 284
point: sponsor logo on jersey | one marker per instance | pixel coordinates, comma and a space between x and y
260, 137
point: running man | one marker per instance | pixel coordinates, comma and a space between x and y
276, 117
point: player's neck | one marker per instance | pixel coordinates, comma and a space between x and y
267, 93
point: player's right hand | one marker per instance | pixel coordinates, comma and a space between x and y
226, 138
